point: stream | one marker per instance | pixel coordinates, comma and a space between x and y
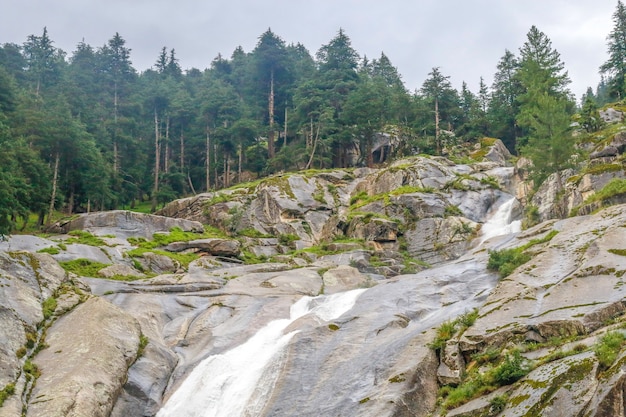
241, 381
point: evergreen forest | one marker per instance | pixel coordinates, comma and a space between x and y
85, 131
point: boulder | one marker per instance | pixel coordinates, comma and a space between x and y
84, 367
120, 270
125, 223
343, 278
374, 229
610, 115
213, 246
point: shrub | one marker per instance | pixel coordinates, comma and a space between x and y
608, 347
510, 370
506, 260
7, 391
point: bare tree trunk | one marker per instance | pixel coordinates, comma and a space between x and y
437, 132
317, 135
240, 151
166, 157
157, 159
270, 140
55, 178
215, 163
115, 149
208, 160
285, 133
182, 149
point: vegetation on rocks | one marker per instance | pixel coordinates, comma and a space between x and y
505, 261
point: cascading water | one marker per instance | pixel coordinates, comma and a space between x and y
501, 223
241, 381
223, 385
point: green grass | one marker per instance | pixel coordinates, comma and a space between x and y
48, 307
505, 261
614, 188
175, 235
6, 392
85, 238
183, 258
52, 250
83, 267
608, 348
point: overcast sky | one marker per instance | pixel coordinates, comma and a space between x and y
465, 38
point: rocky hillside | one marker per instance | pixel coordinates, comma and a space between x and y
374, 292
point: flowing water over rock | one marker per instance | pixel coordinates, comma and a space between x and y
361, 352
228, 384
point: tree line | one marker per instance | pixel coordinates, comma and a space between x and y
89, 132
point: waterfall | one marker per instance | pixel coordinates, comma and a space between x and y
226, 385
501, 223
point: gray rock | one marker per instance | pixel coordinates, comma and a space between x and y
120, 269
84, 367
126, 223
344, 278
213, 246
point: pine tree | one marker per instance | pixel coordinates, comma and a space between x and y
504, 103
435, 89
615, 66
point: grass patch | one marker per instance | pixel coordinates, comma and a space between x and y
48, 307
621, 252
6, 392
175, 235
83, 267
183, 258
448, 329
84, 238
505, 261
608, 348
52, 250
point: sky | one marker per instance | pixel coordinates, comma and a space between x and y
464, 38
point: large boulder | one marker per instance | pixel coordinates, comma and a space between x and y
125, 223
84, 367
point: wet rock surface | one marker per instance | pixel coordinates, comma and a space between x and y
409, 237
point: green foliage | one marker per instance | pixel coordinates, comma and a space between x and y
287, 239
48, 307
497, 404
83, 267
511, 369
6, 392
608, 348
85, 238
52, 250
505, 261
31, 370
448, 329
452, 211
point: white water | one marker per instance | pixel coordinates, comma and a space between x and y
500, 223
223, 385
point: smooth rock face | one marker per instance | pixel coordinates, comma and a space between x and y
127, 223
84, 366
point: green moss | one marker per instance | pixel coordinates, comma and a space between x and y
31, 370
83, 267
621, 252
333, 327
143, 342
364, 400
52, 250
397, 379
85, 238
183, 258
